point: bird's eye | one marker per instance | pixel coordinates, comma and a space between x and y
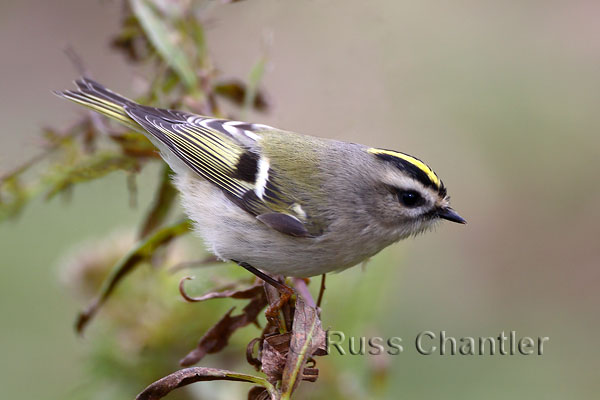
410, 198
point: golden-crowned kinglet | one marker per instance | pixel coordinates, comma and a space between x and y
286, 203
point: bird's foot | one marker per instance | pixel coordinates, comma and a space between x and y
285, 293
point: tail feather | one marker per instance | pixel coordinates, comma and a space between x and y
93, 95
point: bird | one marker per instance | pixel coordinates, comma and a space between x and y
279, 202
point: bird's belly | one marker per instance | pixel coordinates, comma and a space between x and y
233, 234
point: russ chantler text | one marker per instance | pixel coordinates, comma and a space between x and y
438, 343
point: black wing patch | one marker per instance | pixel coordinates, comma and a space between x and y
246, 168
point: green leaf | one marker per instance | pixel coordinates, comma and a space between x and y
163, 37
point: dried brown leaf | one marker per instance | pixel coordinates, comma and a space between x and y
183, 377
252, 360
249, 293
310, 374
280, 342
307, 338
258, 393
217, 337
273, 359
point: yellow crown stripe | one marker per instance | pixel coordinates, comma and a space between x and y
414, 161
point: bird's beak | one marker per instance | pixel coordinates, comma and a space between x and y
450, 215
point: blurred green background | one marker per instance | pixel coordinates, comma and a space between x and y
501, 98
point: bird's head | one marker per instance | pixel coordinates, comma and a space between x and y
411, 198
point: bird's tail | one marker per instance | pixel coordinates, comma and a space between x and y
93, 95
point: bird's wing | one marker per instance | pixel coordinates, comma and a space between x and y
226, 153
